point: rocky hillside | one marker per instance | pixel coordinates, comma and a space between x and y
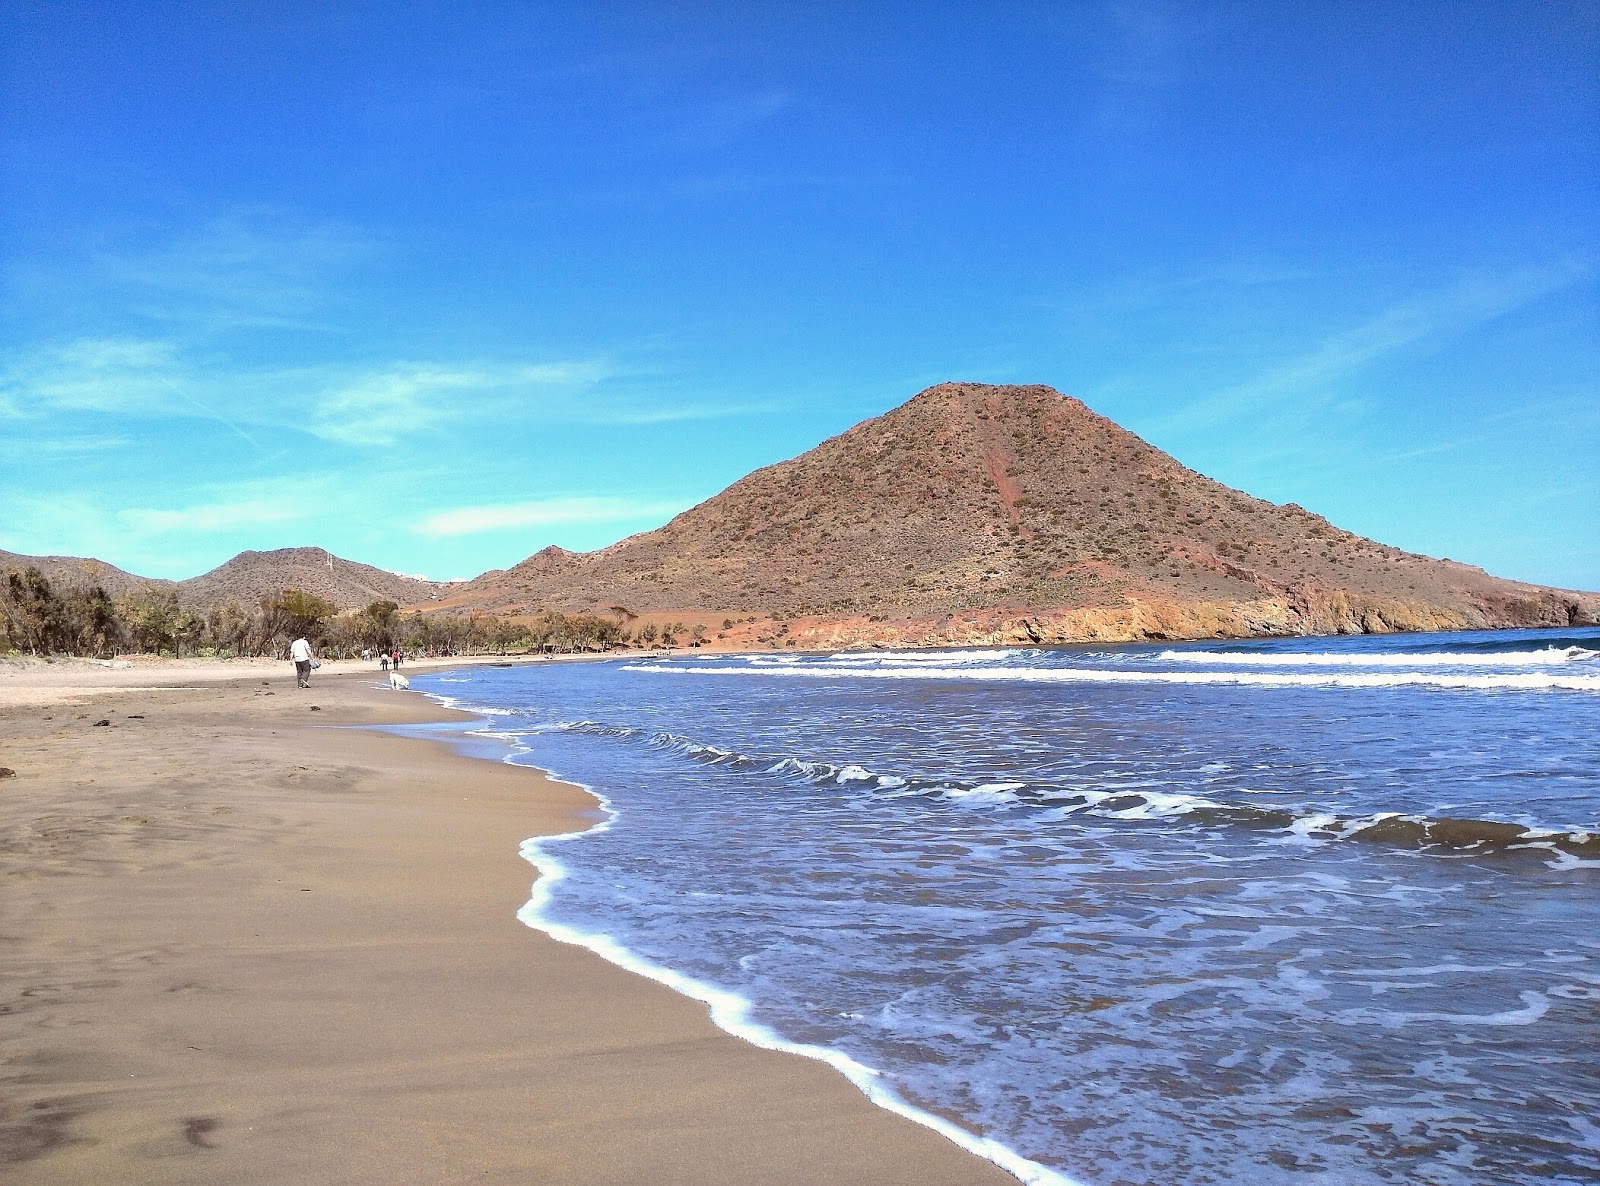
992, 514
70, 572
247, 578
250, 576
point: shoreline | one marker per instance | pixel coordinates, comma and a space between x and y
241, 948
728, 1011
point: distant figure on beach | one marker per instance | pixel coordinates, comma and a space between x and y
300, 652
383, 660
366, 654
398, 655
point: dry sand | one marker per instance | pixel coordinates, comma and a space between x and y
240, 948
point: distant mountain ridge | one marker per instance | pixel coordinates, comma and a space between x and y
247, 578
73, 571
970, 514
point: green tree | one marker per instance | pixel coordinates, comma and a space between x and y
32, 611
153, 619
303, 614
378, 625
229, 627
92, 624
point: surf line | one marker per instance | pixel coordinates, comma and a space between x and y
1508, 681
728, 1010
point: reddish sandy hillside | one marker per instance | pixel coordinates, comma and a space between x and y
980, 513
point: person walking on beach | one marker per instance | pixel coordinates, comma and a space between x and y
300, 652
383, 660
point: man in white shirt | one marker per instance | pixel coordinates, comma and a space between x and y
300, 652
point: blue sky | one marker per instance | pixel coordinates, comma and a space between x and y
433, 287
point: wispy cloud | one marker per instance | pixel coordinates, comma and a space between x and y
708, 127
109, 374
380, 407
247, 268
212, 517
153, 379
1311, 377
550, 512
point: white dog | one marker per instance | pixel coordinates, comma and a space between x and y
398, 682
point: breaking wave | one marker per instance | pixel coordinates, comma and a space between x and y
1521, 681
1546, 657
1573, 847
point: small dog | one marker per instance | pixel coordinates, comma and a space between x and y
398, 682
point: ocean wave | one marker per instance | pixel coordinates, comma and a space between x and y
913, 658
1528, 681
1545, 657
1569, 847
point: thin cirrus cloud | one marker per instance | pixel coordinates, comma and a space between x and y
105, 374
143, 378
550, 512
212, 517
149, 378
1307, 379
242, 269
380, 407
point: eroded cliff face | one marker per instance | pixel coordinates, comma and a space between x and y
1298, 612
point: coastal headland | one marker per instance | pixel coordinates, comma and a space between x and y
248, 941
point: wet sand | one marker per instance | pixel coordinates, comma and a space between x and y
241, 948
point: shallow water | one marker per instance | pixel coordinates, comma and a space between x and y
1316, 910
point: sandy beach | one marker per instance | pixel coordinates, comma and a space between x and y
242, 946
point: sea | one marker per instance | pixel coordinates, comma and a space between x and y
1296, 911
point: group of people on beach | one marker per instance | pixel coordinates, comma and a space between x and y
305, 660
385, 658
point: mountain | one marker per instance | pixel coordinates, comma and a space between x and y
247, 578
250, 576
72, 571
970, 514
976, 513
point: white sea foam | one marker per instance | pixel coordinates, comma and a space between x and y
1549, 656
1497, 681
913, 658
731, 1012
1534, 1006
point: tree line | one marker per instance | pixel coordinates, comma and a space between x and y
37, 618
